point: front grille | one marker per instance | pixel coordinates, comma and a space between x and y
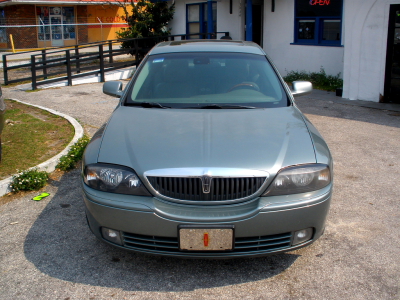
263, 243
150, 242
248, 245
184, 188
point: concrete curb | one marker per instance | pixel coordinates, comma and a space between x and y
49, 165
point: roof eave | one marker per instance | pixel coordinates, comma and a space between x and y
77, 2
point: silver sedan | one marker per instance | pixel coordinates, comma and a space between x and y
207, 156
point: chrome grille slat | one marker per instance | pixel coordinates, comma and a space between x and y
260, 244
150, 242
150, 239
144, 244
191, 188
242, 245
262, 238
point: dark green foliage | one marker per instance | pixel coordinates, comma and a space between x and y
320, 80
147, 20
29, 180
67, 162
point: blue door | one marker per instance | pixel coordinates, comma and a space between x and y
197, 16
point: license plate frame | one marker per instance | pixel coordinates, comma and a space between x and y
220, 238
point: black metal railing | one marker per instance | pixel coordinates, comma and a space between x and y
61, 63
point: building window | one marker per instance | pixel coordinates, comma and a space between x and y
54, 22
318, 22
3, 33
196, 19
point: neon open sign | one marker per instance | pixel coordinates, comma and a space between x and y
320, 2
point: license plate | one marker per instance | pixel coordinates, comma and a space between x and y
206, 239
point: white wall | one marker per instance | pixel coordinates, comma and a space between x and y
361, 60
178, 23
365, 48
234, 23
278, 36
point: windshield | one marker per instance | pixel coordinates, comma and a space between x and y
207, 80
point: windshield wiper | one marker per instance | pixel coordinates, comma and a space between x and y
149, 105
218, 106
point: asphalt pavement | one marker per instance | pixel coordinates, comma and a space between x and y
48, 252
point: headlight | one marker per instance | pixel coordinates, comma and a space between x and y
300, 179
114, 179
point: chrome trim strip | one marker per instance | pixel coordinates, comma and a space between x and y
199, 172
211, 172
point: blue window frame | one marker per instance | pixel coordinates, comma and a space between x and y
196, 19
318, 22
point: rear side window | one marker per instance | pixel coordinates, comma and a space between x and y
187, 79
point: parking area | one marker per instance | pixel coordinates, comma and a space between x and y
48, 252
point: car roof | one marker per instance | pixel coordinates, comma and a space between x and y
207, 46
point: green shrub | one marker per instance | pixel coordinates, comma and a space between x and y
29, 180
147, 19
68, 162
320, 80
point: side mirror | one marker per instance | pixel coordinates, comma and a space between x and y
301, 88
113, 88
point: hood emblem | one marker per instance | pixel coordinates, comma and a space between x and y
206, 183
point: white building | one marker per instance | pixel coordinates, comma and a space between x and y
357, 38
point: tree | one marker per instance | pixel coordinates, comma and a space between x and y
147, 20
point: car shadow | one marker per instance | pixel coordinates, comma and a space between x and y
61, 245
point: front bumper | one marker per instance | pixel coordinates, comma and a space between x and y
262, 226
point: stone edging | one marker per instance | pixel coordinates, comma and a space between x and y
49, 165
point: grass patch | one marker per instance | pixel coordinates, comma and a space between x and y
320, 80
18, 83
31, 136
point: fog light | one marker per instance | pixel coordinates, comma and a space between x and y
302, 236
111, 235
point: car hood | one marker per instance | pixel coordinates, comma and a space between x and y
258, 139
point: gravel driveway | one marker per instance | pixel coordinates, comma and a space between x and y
48, 252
